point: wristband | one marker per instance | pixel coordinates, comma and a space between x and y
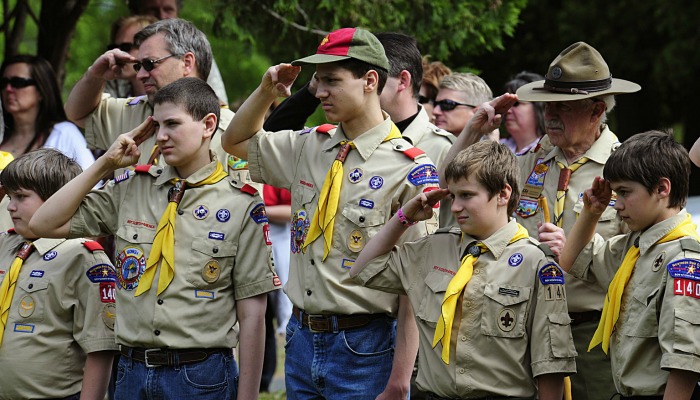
402, 218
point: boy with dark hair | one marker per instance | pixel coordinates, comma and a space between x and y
345, 183
57, 302
496, 323
649, 325
192, 269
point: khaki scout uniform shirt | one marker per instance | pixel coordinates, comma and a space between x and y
436, 143
513, 327
583, 296
220, 256
63, 308
659, 324
374, 187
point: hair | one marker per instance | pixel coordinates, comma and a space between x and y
181, 37
403, 54
632, 162
493, 165
194, 95
136, 6
475, 88
433, 72
43, 171
359, 68
523, 78
123, 22
50, 104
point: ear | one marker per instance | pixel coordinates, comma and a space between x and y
404, 80
371, 81
190, 64
598, 110
504, 195
663, 188
209, 125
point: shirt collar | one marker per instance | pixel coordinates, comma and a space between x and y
367, 142
170, 173
44, 245
497, 242
599, 152
652, 235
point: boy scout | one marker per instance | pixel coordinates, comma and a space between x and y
185, 286
492, 324
56, 298
345, 183
650, 324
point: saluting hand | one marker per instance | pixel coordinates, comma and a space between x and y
278, 79
598, 196
420, 207
489, 115
125, 150
109, 66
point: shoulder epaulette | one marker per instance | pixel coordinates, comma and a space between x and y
413, 153
689, 243
325, 128
449, 229
249, 189
93, 246
143, 168
132, 101
545, 249
11, 231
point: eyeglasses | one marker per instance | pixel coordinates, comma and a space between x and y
449, 105
424, 100
148, 65
125, 47
16, 82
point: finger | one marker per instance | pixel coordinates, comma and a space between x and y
434, 196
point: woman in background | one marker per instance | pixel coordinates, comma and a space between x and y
524, 121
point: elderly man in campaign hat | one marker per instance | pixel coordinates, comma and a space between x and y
578, 92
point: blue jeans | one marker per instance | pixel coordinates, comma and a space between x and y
215, 378
352, 364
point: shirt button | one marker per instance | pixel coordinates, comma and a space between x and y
308, 292
180, 212
312, 262
160, 301
362, 219
468, 303
476, 272
156, 332
31, 285
159, 171
464, 338
136, 236
215, 250
461, 370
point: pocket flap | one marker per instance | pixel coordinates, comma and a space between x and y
135, 234
692, 317
214, 248
305, 194
559, 318
643, 295
363, 217
33, 285
507, 295
438, 281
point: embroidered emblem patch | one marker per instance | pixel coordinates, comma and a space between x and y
423, 174
24, 328
535, 182
258, 214
216, 235
551, 274
223, 215
366, 203
131, 263
121, 177
50, 255
211, 271
305, 131
200, 212
658, 261
203, 294
37, 273
101, 273
347, 263
554, 292
376, 182
300, 226
506, 320
686, 287
236, 164
355, 175
109, 315
686, 268
356, 241
108, 292
527, 207
515, 259
26, 306
508, 292
266, 234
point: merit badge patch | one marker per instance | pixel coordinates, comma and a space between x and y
109, 315
535, 182
347, 263
686, 287
506, 320
300, 226
108, 292
235, 163
50, 255
24, 328
527, 207
216, 235
37, 273
101, 273
131, 263
26, 306
211, 272
376, 182
356, 241
366, 203
658, 261
515, 259
200, 212
258, 214
686, 268
551, 274
203, 294
355, 175
423, 174
223, 215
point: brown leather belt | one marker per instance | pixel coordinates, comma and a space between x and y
334, 323
585, 316
169, 357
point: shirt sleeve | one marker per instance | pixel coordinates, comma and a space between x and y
395, 271
111, 118
273, 157
98, 213
599, 260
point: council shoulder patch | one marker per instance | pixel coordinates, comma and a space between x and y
551, 274
423, 174
685, 268
101, 273
258, 214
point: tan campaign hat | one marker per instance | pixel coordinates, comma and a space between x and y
346, 43
578, 72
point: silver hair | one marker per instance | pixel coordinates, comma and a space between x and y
474, 87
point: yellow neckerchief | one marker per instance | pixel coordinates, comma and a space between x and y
563, 187
164, 242
7, 288
5, 158
324, 217
443, 330
611, 307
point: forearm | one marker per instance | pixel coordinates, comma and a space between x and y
52, 219
98, 368
550, 386
579, 236
247, 121
382, 243
251, 344
405, 351
680, 384
279, 214
84, 98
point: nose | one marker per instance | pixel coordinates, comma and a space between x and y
437, 110
142, 74
549, 110
11, 205
619, 205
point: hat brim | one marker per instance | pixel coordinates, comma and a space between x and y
534, 91
319, 59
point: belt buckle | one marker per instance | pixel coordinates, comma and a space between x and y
145, 357
311, 322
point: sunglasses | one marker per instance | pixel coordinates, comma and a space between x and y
148, 65
424, 100
16, 82
449, 105
125, 47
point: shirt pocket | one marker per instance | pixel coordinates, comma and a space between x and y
560, 338
505, 310
641, 319
31, 298
431, 304
133, 247
211, 262
365, 223
685, 331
